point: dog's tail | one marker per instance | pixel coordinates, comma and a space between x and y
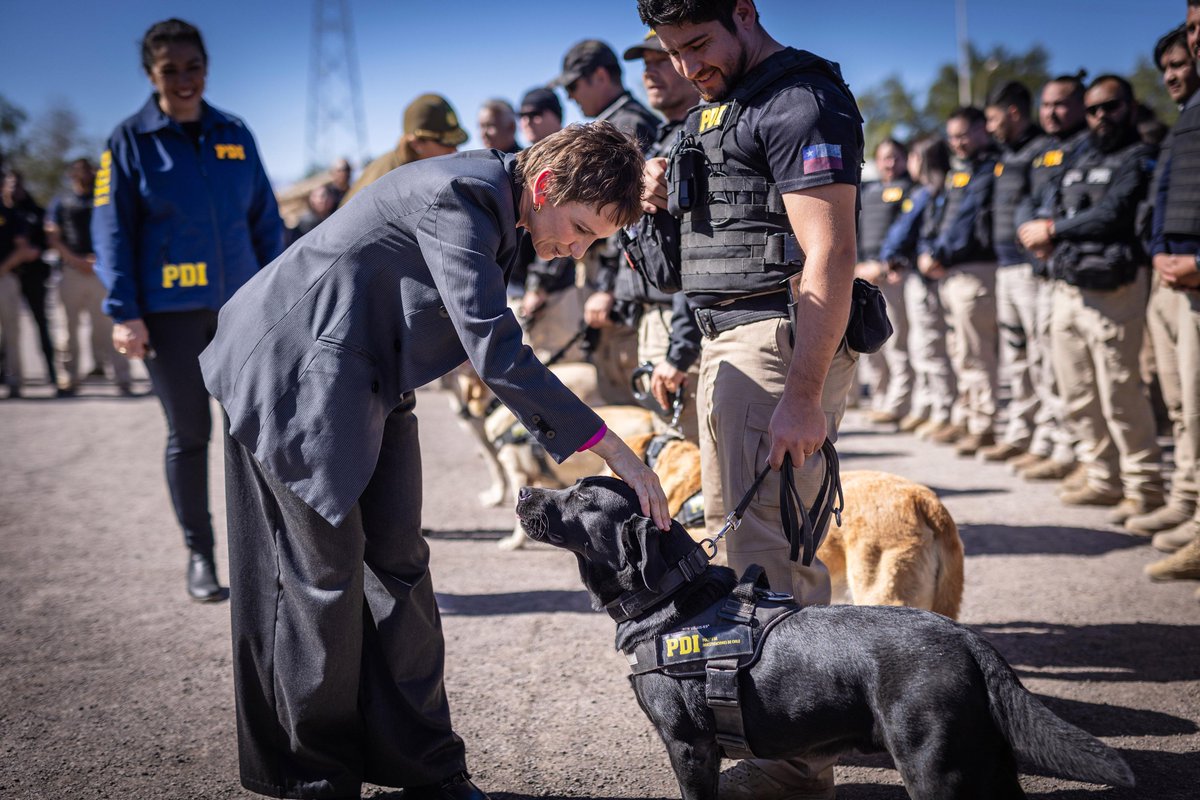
1036, 734
948, 589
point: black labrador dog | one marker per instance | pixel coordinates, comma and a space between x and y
829, 680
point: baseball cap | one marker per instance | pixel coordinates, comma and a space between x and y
540, 99
583, 59
649, 42
431, 116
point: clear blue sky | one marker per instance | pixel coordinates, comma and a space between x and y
86, 54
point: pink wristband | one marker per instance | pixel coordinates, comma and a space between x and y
590, 443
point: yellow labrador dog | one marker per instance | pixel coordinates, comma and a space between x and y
897, 544
474, 403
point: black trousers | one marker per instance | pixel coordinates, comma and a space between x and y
33, 277
177, 339
337, 642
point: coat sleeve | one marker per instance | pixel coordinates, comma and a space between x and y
266, 227
116, 227
460, 237
900, 244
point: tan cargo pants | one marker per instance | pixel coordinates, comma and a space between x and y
83, 293
654, 339
969, 297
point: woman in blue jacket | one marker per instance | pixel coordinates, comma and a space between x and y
184, 215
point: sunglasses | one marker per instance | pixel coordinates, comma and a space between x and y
530, 114
1109, 107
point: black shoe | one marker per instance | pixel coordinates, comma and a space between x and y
64, 391
202, 579
456, 787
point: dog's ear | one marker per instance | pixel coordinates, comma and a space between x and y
641, 541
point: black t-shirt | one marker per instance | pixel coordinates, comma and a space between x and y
72, 213
801, 131
11, 226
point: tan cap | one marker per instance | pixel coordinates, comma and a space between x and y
649, 42
431, 116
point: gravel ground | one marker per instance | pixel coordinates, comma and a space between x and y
117, 686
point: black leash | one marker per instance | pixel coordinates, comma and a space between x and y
557, 355
801, 525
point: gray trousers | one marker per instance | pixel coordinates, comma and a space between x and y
337, 642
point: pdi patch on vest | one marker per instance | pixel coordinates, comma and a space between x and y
892, 194
712, 117
705, 642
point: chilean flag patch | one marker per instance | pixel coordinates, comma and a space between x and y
822, 158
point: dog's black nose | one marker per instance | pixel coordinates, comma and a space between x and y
524, 493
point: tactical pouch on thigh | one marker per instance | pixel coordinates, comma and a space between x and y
868, 327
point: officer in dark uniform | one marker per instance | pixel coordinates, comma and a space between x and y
1163, 315
888, 372
766, 181
1051, 454
667, 334
1176, 258
15, 250
591, 76
1009, 122
959, 254
1088, 230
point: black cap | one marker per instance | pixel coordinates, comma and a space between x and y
649, 42
538, 100
584, 59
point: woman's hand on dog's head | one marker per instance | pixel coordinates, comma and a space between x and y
631, 469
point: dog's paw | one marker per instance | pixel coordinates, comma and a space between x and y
493, 497
514, 542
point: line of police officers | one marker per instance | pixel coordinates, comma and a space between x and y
1028, 251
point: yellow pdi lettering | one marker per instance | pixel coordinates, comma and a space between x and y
231, 152
960, 179
185, 275
892, 194
712, 117
103, 185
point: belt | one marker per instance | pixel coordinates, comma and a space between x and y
715, 320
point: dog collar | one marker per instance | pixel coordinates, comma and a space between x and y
634, 604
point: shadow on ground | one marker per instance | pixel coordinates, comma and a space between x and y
469, 535
994, 540
543, 601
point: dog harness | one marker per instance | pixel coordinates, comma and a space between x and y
718, 644
691, 513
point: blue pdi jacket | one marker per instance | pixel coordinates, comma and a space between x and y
176, 229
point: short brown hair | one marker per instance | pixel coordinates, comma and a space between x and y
594, 164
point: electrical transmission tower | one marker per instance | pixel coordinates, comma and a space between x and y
335, 106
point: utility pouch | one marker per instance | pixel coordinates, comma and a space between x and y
652, 247
685, 177
868, 327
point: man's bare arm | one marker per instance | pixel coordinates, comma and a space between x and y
823, 220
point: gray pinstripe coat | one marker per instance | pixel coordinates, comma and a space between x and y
395, 289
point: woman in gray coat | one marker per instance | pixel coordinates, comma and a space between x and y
338, 650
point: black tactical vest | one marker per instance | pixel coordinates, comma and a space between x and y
1182, 214
1011, 186
1046, 169
881, 204
955, 191
1112, 261
75, 222
735, 236
632, 285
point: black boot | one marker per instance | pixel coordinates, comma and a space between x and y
202, 582
456, 787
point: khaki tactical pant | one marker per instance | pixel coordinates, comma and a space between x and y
83, 293
10, 324
1096, 336
1052, 434
554, 324
615, 359
1188, 352
1166, 312
654, 339
969, 298
888, 373
742, 374
1020, 348
933, 390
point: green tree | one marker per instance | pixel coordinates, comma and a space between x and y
12, 119
1148, 88
989, 70
891, 110
52, 141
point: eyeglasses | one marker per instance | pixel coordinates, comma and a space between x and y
1108, 107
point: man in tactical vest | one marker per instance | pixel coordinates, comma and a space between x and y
1051, 453
1176, 252
888, 373
766, 182
1163, 313
1009, 123
591, 76
1088, 231
960, 255
667, 334
68, 230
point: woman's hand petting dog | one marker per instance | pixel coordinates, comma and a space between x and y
631, 469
